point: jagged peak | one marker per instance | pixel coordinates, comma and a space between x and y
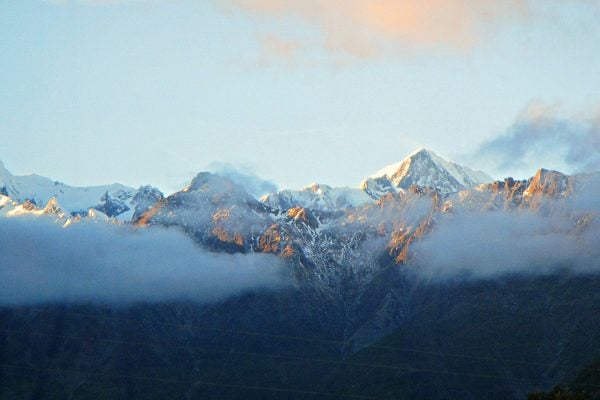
52, 205
542, 172
543, 175
422, 150
425, 168
53, 208
547, 181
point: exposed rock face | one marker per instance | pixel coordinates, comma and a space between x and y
509, 187
531, 193
499, 195
300, 214
550, 183
113, 204
29, 205
214, 211
52, 207
271, 241
145, 198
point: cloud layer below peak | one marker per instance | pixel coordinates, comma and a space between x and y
117, 265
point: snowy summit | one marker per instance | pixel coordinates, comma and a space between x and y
425, 168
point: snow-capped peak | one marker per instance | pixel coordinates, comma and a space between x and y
423, 167
389, 170
115, 200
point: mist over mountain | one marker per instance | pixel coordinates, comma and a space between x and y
447, 218
111, 264
439, 219
417, 256
558, 231
244, 177
365, 199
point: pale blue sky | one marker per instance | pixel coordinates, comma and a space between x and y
155, 91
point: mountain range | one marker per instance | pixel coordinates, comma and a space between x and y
398, 204
428, 280
422, 168
114, 200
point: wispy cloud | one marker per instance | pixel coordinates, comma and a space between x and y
542, 136
245, 177
367, 28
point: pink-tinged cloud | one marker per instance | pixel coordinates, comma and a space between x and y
367, 28
276, 49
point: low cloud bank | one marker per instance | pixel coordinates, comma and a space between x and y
477, 245
565, 236
118, 265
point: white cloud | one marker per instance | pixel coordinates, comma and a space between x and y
114, 264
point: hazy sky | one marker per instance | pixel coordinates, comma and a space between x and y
97, 91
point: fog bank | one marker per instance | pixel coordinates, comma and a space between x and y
489, 244
90, 262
